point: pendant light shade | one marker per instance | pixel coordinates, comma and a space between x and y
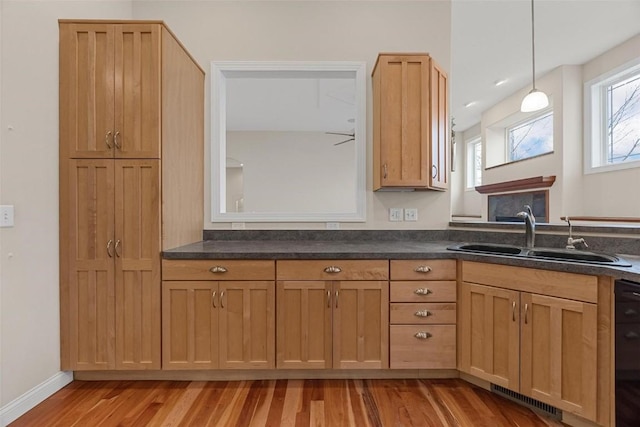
535, 99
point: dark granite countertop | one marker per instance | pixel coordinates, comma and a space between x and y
382, 249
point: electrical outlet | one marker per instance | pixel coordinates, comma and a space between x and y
395, 214
6, 216
237, 226
411, 214
333, 226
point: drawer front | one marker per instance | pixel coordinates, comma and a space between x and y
424, 313
423, 291
428, 269
218, 269
333, 270
628, 346
422, 347
628, 312
580, 287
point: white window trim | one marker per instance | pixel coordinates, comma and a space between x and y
595, 122
467, 168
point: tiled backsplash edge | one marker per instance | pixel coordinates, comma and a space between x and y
326, 235
547, 236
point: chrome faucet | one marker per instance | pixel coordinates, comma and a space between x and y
530, 224
571, 242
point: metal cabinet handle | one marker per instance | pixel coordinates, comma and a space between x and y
434, 168
423, 335
513, 307
422, 269
384, 171
337, 299
631, 335
109, 252
115, 140
118, 253
422, 291
526, 311
213, 299
422, 313
218, 269
332, 269
106, 139
328, 299
221, 299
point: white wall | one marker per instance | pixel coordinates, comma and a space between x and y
317, 31
29, 315
611, 193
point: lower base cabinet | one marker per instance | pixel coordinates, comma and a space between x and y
218, 324
330, 317
542, 346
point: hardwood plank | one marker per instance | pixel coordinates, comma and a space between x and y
322, 402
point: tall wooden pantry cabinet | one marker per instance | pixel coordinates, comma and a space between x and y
131, 184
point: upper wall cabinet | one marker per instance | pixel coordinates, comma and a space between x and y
110, 90
411, 123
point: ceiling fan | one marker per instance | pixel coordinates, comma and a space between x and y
352, 136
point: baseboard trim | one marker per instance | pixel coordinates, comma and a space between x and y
271, 374
22, 404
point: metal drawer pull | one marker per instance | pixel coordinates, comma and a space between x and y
422, 269
422, 335
213, 299
332, 269
218, 269
109, 252
106, 140
630, 312
422, 313
631, 335
422, 291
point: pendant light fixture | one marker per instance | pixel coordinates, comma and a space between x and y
535, 99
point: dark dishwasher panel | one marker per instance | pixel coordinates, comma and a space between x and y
627, 343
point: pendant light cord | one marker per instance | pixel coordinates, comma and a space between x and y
533, 47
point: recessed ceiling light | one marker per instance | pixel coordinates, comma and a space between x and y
500, 82
470, 104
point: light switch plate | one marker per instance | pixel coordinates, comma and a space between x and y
395, 214
6, 216
411, 214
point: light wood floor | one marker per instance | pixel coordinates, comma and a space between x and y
279, 403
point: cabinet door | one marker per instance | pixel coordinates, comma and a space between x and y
137, 91
403, 116
361, 325
88, 283
137, 254
247, 325
86, 90
489, 334
439, 128
558, 360
189, 325
303, 324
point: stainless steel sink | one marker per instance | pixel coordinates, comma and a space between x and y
489, 248
551, 254
576, 256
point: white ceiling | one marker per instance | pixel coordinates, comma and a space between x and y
491, 41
